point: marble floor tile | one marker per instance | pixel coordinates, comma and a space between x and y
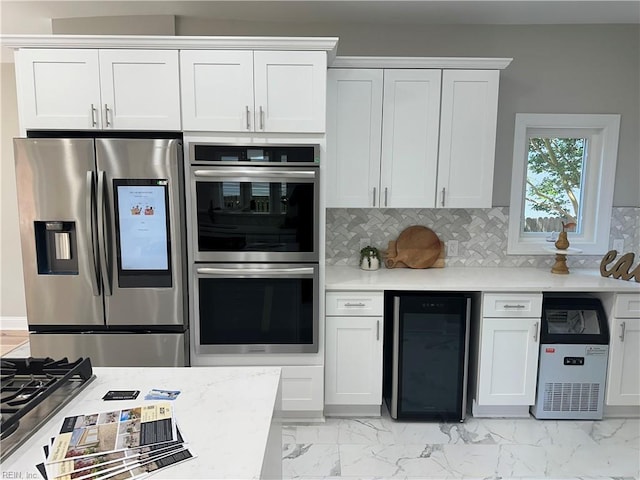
487, 449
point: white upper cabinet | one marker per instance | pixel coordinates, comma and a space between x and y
354, 128
98, 89
411, 138
467, 138
247, 91
410, 121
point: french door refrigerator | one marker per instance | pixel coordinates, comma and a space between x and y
103, 247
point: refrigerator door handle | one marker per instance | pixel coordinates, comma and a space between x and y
103, 248
92, 252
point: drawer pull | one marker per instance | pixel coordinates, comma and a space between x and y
624, 326
359, 304
518, 306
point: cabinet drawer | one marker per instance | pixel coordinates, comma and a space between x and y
355, 303
512, 305
627, 305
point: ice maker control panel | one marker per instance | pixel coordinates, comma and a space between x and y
574, 360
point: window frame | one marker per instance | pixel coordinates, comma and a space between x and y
602, 133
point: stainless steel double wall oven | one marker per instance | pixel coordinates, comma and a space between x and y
254, 214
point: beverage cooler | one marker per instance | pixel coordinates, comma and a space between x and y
574, 348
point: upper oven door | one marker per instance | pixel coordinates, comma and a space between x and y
255, 213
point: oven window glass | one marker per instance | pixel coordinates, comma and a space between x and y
256, 311
255, 216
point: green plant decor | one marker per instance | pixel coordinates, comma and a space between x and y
368, 252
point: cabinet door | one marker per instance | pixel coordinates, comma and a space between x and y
140, 89
623, 379
353, 366
290, 91
217, 90
509, 350
354, 127
410, 123
58, 89
467, 138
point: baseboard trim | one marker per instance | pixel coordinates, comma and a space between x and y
13, 323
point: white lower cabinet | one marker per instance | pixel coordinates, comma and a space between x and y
353, 368
302, 389
623, 379
508, 350
508, 361
353, 349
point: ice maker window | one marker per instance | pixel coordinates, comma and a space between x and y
584, 322
56, 247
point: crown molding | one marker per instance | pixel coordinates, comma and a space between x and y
421, 62
327, 44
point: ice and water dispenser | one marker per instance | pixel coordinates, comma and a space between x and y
56, 248
574, 347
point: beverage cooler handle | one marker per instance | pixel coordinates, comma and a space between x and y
92, 252
103, 248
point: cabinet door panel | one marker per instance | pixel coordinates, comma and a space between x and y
217, 90
353, 361
509, 352
56, 88
623, 380
411, 113
290, 91
354, 126
467, 138
140, 89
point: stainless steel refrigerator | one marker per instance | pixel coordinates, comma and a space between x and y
103, 247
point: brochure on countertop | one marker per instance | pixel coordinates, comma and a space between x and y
112, 431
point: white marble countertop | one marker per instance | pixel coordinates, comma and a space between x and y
224, 414
487, 279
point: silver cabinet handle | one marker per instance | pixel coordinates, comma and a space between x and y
535, 332
514, 306
443, 190
386, 195
359, 304
374, 196
106, 115
93, 115
248, 122
623, 326
261, 118
377, 329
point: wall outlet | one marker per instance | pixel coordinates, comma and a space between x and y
364, 242
452, 248
618, 244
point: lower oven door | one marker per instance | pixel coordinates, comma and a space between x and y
256, 308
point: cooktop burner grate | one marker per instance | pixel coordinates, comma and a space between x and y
32, 390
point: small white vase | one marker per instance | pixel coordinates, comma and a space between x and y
375, 263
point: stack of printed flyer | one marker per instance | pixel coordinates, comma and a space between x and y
117, 444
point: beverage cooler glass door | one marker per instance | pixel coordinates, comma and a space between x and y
257, 214
264, 308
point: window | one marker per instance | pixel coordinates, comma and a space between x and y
563, 175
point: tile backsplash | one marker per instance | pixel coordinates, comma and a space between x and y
481, 234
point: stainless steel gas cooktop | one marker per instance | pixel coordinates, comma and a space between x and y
32, 390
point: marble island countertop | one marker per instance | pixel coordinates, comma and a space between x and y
487, 279
226, 415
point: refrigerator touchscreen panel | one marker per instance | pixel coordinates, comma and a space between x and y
142, 233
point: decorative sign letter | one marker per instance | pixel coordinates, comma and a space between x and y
622, 268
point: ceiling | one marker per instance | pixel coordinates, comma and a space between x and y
34, 17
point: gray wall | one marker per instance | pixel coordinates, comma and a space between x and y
556, 69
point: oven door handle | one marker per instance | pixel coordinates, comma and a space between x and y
233, 172
252, 271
